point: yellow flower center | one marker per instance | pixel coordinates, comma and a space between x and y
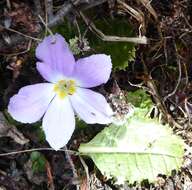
64, 88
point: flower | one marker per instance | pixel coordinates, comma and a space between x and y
65, 94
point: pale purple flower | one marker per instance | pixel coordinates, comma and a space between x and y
66, 94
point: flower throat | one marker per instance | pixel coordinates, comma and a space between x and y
64, 88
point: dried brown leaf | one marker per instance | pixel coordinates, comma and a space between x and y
7, 130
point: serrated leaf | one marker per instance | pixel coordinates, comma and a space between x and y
121, 52
140, 99
140, 149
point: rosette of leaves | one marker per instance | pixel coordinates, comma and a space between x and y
140, 149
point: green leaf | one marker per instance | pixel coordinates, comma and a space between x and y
121, 52
38, 161
140, 149
139, 99
66, 29
81, 124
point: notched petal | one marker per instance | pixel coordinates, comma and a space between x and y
93, 70
59, 123
92, 107
31, 102
54, 51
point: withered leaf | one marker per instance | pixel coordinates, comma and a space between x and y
8, 130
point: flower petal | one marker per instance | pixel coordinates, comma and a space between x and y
48, 73
59, 122
55, 52
31, 102
91, 106
93, 70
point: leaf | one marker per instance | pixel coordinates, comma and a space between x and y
81, 124
74, 46
121, 52
35, 168
38, 161
140, 99
140, 149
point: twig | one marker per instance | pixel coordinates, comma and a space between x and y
148, 6
69, 5
178, 81
8, 4
19, 53
165, 50
20, 33
50, 182
49, 8
92, 27
38, 7
57, 19
37, 149
92, 3
65, 9
140, 86
186, 104
68, 156
138, 16
86, 171
78, 29
48, 29
46, 18
160, 104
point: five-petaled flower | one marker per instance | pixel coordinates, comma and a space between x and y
66, 94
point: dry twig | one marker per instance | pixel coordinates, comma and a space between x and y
100, 34
20, 33
36, 149
160, 104
178, 81
136, 14
148, 6
66, 8
49, 9
68, 156
86, 171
